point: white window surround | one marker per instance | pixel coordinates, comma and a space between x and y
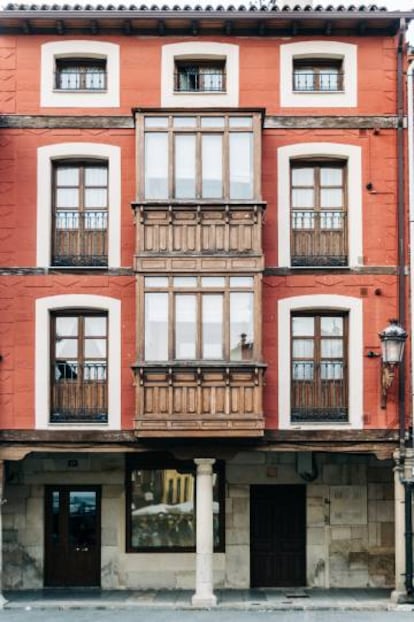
319, 49
354, 307
199, 51
44, 306
353, 156
61, 151
51, 97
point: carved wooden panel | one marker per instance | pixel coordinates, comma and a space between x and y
199, 401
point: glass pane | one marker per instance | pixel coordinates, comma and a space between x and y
240, 121
156, 122
185, 281
94, 370
162, 509
332, 348
156, 281
185, 326
241, 326
185, 166
302, 370
303, 326
331, 176
212, 122
332, 197
331, 220
82, 519
67, 176
95, 348
156, 327
96, 197
212, 166
156, 166
241, 166
212, 281
328, 79
332, 371
241, 281
212, 331
67, 197
55, 516
95, 78
185, 121
302, 198
303, 176
95, 220
95, 326
304, 219
96, 176
304, 79
66, 327
302, 348
332, 326
66, 348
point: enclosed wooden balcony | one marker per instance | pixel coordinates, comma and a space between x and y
199, 400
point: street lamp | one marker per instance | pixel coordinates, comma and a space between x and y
393, 339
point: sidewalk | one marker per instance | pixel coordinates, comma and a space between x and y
254, 599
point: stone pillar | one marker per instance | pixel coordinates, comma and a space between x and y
2, 599
204, 595
399, 592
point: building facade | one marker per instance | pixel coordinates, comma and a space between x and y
202, 234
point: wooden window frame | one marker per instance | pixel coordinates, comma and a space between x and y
321, 414
76, 381
164, 462
320, 259
80, 67
218, 67
316, 66
80, 233
199, 290
198, 130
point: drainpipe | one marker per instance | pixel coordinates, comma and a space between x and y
407, 481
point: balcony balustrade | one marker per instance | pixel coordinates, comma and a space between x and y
79, 393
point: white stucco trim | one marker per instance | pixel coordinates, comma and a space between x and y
42, 357
199, 50
319, 49
353, 155
45, 157
51, 97
323, 302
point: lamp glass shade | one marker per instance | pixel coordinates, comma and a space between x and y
393, 339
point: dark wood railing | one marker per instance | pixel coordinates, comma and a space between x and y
80, 239
79, 392
319, 392
319, 238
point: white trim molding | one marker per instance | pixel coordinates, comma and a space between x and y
51, 97
199, 50
353, 156
347, 52
61, 151
322, 302
44, 306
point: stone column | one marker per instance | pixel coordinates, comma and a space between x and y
2, 599
204, 596
399, 592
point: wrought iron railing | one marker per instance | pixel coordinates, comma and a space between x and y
80, 80
319, 238
79, 392
319, 392
80, 239
205, 81
318, 81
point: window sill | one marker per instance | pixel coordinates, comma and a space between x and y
318, 92
75, 91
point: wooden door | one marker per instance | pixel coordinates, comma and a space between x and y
278, 536
72, 536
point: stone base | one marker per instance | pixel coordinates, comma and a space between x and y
204, 602
399, 597
3, 601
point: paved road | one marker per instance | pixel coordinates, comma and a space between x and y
163, 615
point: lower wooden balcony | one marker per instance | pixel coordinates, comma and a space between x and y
199, 400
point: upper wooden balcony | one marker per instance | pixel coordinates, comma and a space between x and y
223, 235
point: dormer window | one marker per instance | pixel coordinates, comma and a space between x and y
80, 74
200, 76
316, 74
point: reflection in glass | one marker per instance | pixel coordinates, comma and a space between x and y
241, 165
82, 519
55, 516
156, 165
212, 329
212, 166
303, 326
156, 327
185, 326
185, 166
241, 326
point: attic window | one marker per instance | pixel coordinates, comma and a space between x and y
200, 76
318, 75
80, 74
